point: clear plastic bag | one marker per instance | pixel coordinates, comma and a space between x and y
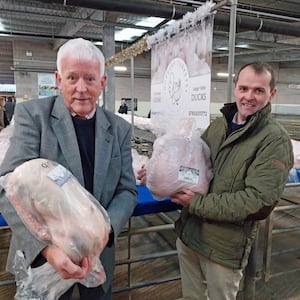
296, 151
179, 160
294, 175
56, 208
5, 135
42, 283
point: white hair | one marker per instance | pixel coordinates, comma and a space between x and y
81, 49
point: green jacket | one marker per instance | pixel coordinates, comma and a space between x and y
250, 168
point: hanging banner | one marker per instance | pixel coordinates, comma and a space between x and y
47, 85
181, 76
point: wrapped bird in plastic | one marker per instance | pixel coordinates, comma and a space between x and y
179, 160
294, 174
56, 208
296, 151
5, 135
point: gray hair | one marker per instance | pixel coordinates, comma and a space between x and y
80, 49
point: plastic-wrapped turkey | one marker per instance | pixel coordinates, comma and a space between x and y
179, 160
296, 150
55, 207
294, 174
5, 135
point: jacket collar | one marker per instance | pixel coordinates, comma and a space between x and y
229, 110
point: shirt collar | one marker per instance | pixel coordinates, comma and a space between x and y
88, 116
234, 120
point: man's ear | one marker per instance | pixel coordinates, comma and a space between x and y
273, 93
58, 78
103, 81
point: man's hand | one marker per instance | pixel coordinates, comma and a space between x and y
63, 264
142, 175
183, 197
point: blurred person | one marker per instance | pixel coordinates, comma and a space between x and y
123, 108
251, 155
3, 114
92, 143
9, 108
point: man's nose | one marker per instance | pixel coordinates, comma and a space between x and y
250, 94
81, 85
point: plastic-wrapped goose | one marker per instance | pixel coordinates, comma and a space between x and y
55, 207
179, 160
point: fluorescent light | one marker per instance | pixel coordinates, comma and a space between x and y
221, 74
245, 46
225, 48
120, 68
99, 43
150, 22
222, 48
129, 34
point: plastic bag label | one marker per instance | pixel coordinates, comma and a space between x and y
59, 175
190, 175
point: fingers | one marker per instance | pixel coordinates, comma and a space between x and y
142, 175
183, 197
73, 271
64, 265
187, 192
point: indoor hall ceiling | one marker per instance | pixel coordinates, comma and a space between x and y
268, 30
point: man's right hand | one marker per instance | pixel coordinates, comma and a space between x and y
142, 175
64, 265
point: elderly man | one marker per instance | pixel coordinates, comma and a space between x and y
94, 144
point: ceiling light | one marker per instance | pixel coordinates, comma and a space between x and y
245, 46
150, 22
120, 68
221, 74
222, 48
130, 34
99, 43
225, 48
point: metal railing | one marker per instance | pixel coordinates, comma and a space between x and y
290, 200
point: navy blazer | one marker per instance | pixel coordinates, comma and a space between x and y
44, 128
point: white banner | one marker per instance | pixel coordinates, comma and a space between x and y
181, 76
47, 85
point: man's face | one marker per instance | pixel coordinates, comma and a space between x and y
252, 92
80, 84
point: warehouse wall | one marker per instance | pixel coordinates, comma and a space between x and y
43, 60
